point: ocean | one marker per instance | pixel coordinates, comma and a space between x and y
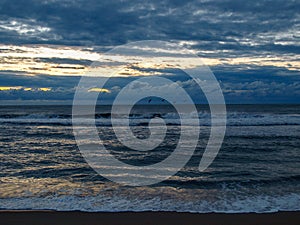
256, 170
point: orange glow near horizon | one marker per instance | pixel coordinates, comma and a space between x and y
101, 90
10, 88
44, 89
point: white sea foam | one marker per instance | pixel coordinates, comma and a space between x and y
100, 203
233, 119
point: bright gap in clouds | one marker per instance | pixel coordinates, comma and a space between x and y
100, 90
37, 59
20, 88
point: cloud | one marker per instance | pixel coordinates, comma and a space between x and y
6, 88
224, 24
14, 88
213, 29
252, 46
28, 28
44, 89
100, 90
74, 61
256, 86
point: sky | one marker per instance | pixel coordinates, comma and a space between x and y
46, 46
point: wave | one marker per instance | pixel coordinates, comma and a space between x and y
253, 183
228, 197
102, 203
104, 119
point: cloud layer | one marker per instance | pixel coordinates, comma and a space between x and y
252, 46
236, 26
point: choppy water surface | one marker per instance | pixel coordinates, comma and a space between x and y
256, 170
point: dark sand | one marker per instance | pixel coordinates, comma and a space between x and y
141, 218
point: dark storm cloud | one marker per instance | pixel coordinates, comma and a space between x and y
221, 29
237, 25
37, 81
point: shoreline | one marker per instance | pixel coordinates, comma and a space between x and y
45, 217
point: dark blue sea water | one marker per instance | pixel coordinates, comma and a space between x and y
257, 168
